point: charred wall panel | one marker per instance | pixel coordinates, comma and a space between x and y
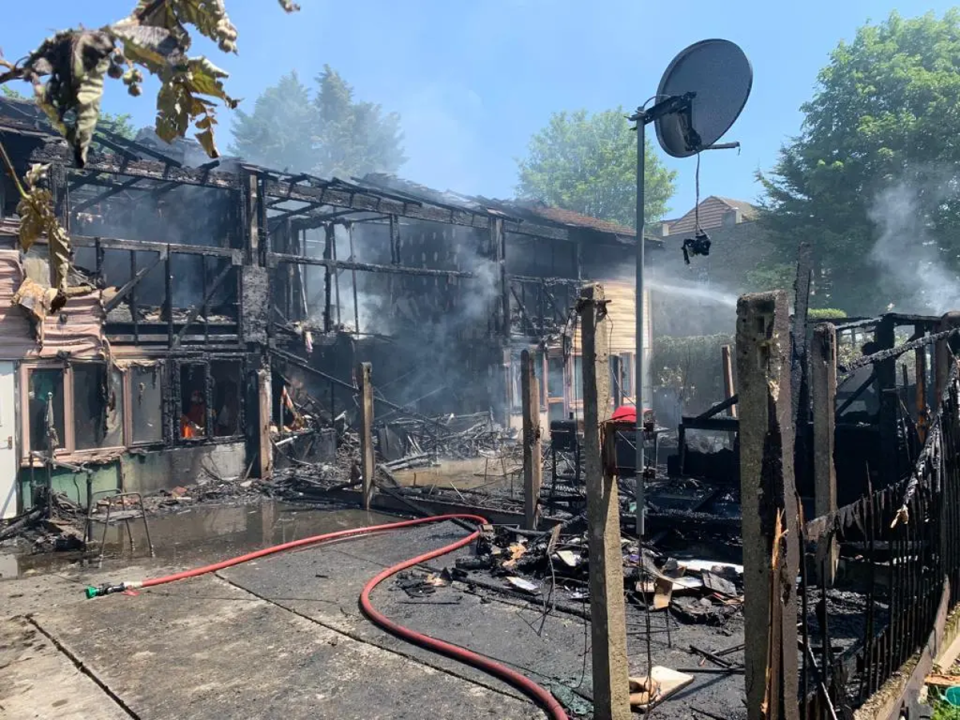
255, 302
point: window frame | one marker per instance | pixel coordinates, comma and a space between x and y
125, 435
128, 405
68, 448
66, 442
176, 402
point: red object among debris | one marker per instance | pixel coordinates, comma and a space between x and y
625, 413
628, 414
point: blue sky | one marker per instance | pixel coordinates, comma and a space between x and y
473, 79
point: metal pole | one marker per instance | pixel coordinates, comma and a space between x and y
638, 363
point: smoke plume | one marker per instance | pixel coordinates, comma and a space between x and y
908, 251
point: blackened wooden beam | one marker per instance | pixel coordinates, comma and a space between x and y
329, 239
499, 243
276, 258
106, 243
532, 461
168, 296
886, 371
208, 295
719, 424
60, 153
134, 311
133, 281
106, 195
823, 373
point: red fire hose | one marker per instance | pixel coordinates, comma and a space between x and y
521, 682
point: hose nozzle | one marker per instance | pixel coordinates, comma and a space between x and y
94, 592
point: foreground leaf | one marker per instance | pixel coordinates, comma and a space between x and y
37, 219
208, 16
75, 62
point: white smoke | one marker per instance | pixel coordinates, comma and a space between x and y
907, 252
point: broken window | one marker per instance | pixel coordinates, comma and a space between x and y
146, 404
193, 400
97, 406
226, 397
46, 409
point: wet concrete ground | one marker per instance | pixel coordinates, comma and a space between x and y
284, 637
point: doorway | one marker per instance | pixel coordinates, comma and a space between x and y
8, 442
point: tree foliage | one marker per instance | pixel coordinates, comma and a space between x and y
588, 164
883, 119
327, 134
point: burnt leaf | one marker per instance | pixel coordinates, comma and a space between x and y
38, 219
74, 63
208, 16
180, 102
187, 84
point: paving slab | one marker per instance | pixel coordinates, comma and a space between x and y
206, 649
38, 681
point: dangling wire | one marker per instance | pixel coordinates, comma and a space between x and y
696, 207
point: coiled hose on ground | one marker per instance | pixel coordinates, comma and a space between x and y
529, 688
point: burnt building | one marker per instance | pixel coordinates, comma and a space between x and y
203, 291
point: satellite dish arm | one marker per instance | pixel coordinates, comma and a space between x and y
682, 105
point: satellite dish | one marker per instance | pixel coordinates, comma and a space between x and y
719, 77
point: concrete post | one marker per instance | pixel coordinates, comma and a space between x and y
769, 508
367, 466
823, 362
532, 460
611, 684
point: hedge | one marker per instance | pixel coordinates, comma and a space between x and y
691, 368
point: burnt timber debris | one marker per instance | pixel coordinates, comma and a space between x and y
293, 340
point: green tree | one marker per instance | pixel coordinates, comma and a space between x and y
588, 164
278, 131
878, 138
353, 138
329, 134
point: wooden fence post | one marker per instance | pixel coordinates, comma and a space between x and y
367, 464
771, 556
823, 362
264, 417
726, 357
532, 460
611, 684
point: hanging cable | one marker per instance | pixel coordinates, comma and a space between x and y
696, 206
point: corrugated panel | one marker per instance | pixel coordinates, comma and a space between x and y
16, 334
77, 329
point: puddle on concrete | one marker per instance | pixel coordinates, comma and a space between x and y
207, 533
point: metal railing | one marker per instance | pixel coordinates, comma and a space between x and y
901, 553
